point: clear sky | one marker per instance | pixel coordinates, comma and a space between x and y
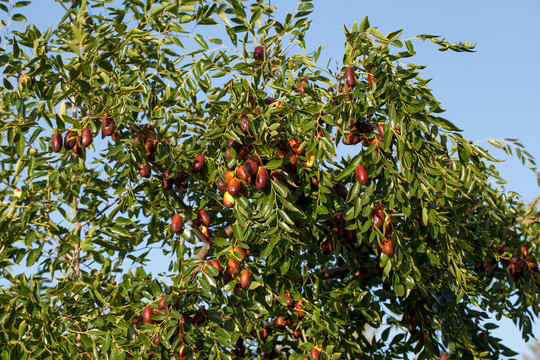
492, 93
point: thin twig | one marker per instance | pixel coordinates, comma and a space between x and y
103, 210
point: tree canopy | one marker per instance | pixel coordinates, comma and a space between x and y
132, 128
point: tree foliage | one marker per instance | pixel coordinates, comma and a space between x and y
409, 234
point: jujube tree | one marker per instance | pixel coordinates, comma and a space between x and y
129, 129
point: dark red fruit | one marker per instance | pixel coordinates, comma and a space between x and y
70, 140
327, 247
177, 224
167, 181
234, 266
227, 277
288, 299
378, 217
315, 353
144, 170
380, 128
215, 264
161, 304
86, 138
387, 247
258, 53
222, 185
234, 187
361, 174
261, 180
107, 126
149, 147
352, 139
76, 148
245, 278
341, 190
281, 322
350, 77
204, 218
56, 142
147, 315
300, 87
198, 164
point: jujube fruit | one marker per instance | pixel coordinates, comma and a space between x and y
161, 304
261, 180
228, 200
76, 148
147, 315
300, 308
198, 164
350, 77
361, 174
70, 140
56, 142
221, 185
378, 217
107, 126
144, 170
86, 138
204, 218
245, 278
234, 187
239, 250
258, 53
176, 223
234, 266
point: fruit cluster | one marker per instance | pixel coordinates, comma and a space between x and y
72, 141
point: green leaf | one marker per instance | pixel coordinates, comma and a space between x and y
18, 17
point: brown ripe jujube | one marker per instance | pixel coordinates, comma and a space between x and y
147, 315
350, 77
234, 266
378, 217
361, 174
167, 181
222, 185
352, 139
198, 164
295, 144
234, 187
341, 190
161, 304
261, 179
204, 218
300, 308
315, 353
177, 223
241, 173
227, 277
107, 126
258, 53
76, 148
228, 200
238, 250
56, 142
250, 168
300, 87
288, 299
386, 247
70, 140
86, 138
144, 170
215, 264
245, 278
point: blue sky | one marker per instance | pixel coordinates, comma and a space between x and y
492, 93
